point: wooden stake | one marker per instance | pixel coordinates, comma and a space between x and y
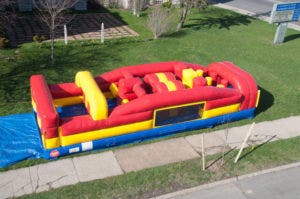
203, 153
245, 141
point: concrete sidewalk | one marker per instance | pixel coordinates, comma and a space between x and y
70, 171
260, 9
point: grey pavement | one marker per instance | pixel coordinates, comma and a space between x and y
70, 171
260, 9
281, 183
82, 26
155, 154
96, 166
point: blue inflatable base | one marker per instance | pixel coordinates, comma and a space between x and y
147, 134
20, 138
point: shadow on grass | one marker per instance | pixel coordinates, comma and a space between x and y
14, 83
222, 21
255, 148
291, 37
178, 34
265, 102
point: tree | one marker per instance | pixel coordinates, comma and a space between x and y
52, 14
137, 6
185, 6
159, 21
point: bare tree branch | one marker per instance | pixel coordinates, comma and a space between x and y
52, 13
7, 13
159, 21
186, 6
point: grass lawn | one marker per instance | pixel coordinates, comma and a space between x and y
212, 35
156, 181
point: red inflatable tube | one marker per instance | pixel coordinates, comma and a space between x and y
151, 102
251, 84
179, 85
139, 70
199, 81
142, 69
139, 90
79, 124
70, 89
44, 105
50, 132
235, 78
223, 102
160, 87
170, 76
129, 96
64, 90
126, 85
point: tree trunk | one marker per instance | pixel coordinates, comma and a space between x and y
184, 11
138, 8
52, 35
52, 46
134, 7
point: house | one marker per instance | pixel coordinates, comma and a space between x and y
28, 5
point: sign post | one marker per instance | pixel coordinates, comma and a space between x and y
282, 13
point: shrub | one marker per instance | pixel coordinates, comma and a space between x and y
167, 4
42, 38
35, 38
39, 39
159, 21
4, 42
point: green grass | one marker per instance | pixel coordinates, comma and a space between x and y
156, 181
212, 35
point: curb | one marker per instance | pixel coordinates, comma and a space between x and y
227, 181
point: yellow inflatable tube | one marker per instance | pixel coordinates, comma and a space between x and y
95, 100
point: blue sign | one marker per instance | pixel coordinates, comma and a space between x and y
284, 12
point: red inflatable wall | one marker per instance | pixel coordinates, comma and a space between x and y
44, 104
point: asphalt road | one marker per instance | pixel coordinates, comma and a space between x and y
284, 184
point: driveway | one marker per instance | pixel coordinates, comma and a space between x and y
82, 26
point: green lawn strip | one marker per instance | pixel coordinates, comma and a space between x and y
156, 181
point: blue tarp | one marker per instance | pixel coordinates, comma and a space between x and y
19, 139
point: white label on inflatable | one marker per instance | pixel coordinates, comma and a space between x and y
74, 150
87, 146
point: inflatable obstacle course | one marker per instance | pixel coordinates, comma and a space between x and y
136, 103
